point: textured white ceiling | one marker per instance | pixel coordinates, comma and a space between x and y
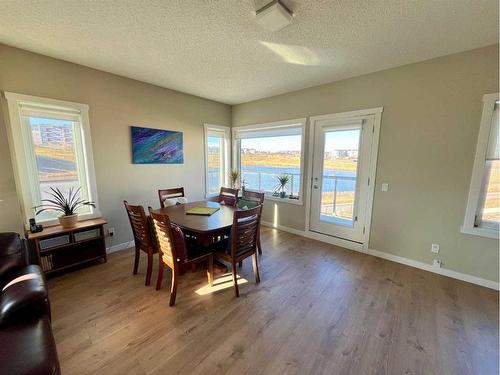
215, 49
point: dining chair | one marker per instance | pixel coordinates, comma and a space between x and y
228, 196
253, 196
141, 229
167, 194
174, 252
242, 242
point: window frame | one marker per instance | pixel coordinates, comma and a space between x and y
275, 125
478, 172
227, 153
20, 145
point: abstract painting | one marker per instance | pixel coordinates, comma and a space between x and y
156, 146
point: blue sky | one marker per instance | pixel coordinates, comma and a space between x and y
342, 140
48, 121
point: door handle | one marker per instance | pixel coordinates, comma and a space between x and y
315, 186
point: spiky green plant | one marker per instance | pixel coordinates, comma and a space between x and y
65, 204
283, 180
234, 176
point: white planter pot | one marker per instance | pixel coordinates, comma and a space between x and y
68, 221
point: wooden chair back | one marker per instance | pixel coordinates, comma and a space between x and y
169, 193
229, 196
140, 227
245, 232
164, 239
256, 196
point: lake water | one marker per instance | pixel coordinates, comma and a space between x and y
345, 181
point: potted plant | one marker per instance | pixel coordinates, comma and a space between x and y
234, 176
67, 205
283, 180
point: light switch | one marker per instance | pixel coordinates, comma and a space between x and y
385, 187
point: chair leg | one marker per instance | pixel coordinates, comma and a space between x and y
235, 281
255, 268
259, 247
240, 264
160, 275
149, 270
136, 261
173, 288
210, 270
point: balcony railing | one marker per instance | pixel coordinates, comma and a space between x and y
345, 185
268, 181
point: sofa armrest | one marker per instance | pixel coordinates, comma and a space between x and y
25, 294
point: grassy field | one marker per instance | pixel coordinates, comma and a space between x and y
57, 153
67, 153
284, 160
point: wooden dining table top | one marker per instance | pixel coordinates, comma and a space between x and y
222, 219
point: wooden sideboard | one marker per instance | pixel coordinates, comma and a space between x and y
59, 248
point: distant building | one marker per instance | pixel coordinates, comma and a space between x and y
61, 135
343, 154
249, 150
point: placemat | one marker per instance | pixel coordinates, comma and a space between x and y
204, 211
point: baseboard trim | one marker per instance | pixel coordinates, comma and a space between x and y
440, 271
394, 258
317, 236
120, 247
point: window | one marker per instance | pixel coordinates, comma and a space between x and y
51, 148
482, 216
216, 158
263, 153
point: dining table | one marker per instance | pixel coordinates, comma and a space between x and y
205, 228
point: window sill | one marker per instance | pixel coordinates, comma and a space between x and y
297, 202
482, 232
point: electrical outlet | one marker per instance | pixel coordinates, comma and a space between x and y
435, 248
436, 263
385, 187
111, 232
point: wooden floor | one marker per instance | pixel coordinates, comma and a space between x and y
318, 310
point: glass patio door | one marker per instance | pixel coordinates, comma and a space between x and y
341, 177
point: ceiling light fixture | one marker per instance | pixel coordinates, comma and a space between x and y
274, 16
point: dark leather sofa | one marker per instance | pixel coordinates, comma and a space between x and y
26, 341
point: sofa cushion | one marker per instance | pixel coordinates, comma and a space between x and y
28, 348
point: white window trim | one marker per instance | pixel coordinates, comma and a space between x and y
18, 146
227, 153
478, 171
300, 122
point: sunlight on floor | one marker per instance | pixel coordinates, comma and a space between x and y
275, 219
223, 282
